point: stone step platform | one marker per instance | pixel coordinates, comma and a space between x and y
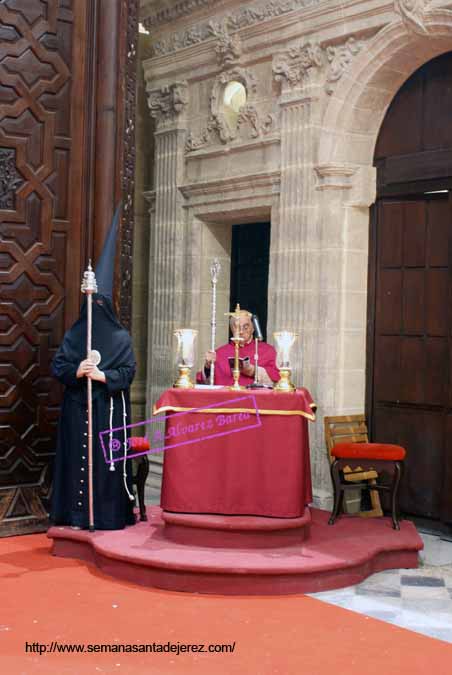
230, 555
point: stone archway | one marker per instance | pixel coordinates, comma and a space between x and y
356, 109
346, 179
350, 127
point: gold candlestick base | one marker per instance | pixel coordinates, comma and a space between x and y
237, 387
236, 371
183, 381
284, 384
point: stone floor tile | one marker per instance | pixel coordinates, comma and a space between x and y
425, 595
422, 580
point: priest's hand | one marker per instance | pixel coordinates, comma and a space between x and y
209, 358
248, 369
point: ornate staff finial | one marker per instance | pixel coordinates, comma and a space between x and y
89, 283
215, 270
214, 274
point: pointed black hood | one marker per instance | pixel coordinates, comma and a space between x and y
105, 266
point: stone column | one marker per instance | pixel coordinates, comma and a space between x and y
167, 246
305, 255
167, 106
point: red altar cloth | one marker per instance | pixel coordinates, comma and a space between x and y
262, 471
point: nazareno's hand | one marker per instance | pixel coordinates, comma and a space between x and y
97, 375
85, 368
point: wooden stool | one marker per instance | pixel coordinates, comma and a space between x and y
366, 457
140, 444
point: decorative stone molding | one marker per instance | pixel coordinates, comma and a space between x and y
413, 14
340, 58
334, 176
168, 14
293, 66
232, 188
247, 16
168, 103
240, 145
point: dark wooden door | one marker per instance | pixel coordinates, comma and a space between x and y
250, 255
60, 102
409, 397
412, 388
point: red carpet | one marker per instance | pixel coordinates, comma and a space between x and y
331, 557
45, 598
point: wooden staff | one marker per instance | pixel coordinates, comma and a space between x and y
214, 273
89, 286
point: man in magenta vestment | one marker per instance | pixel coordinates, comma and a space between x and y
268, 372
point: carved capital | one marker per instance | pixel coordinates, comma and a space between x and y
413, 14
293, 66
168, 103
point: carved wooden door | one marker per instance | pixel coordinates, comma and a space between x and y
54, 125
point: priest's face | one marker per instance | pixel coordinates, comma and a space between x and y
246, 329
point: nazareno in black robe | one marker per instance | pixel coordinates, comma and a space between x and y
113, 509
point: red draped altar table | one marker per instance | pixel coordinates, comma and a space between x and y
253, 464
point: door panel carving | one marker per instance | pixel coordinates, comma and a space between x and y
38, 231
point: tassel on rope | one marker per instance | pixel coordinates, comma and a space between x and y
112, 466
124, 468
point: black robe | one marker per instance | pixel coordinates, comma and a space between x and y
113, 509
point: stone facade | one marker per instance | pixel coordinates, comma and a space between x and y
319, 77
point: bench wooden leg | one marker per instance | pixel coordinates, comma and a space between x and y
338, 492
394, 495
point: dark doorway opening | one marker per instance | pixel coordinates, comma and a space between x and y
409, 365
250, 255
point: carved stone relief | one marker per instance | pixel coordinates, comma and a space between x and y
413, 14
228, 49
293, 67
340, 58
250, 122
